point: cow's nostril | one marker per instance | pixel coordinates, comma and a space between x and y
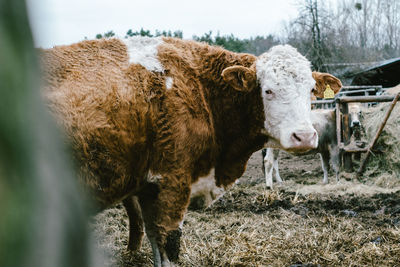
296, 137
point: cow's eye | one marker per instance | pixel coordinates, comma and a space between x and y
313, 90
268, 92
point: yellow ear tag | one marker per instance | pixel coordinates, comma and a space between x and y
329, 93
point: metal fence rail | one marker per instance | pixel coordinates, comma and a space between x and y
350, 91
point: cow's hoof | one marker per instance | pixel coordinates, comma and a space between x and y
173, 244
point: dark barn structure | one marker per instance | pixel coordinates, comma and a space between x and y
386, 74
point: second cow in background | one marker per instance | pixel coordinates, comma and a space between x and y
324, 122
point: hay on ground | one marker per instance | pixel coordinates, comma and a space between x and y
384, 163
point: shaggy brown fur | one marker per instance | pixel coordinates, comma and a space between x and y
133, 137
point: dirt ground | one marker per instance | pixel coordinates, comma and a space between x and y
300, 223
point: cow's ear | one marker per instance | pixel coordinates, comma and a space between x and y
240, 78
322, 80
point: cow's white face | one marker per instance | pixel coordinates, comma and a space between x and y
286, 83
355, 114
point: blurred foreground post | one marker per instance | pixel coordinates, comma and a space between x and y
42, 216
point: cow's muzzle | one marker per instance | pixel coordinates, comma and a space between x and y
303, 140
355, 123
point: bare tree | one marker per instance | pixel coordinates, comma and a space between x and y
306, 32
349, 31
391, 11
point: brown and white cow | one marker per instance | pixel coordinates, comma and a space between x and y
147, 117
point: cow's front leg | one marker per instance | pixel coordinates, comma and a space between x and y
136, 231
325, 165
268, 166
335, 159
276, 166
164, 201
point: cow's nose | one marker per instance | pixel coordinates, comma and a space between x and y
302, 140
355, 123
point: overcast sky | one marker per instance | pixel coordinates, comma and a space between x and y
56, 22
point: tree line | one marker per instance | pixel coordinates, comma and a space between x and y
345, 31
327, 33
256, 45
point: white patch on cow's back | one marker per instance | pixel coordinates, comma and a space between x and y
169, 81
144, 51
